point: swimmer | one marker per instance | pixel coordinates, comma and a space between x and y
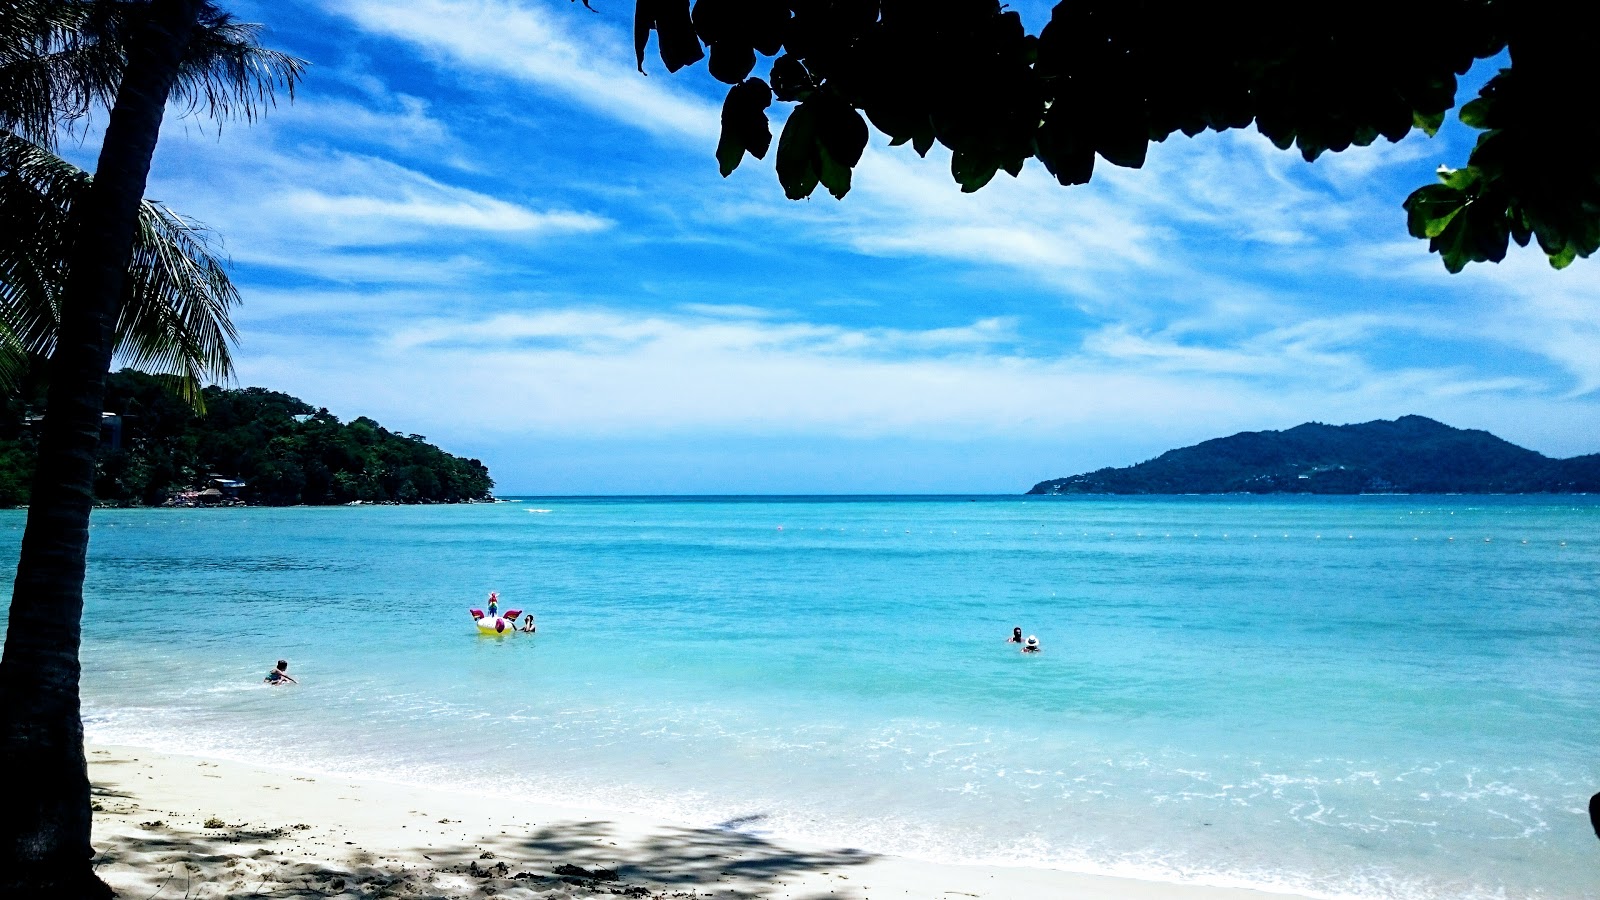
1032, 646
1016, 636
280, 675
527, 625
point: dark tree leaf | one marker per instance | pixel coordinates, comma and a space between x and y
972, 170
744, 124
797, 153
766, 22
675, 36
835, 176
1430, 209
842, 132
716, 20
1058, 145
731, 63
790, 80
1475, 113
1428, 122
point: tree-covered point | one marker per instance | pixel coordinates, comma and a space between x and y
284, 450
1411, 454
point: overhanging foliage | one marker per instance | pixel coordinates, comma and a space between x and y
1104, 78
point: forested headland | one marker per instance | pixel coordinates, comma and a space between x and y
284, 450
1412, 455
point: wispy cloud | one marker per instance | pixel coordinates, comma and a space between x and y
365, 218
603, 372
526, 43
396, 122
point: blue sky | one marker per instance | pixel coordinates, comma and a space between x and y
479, 223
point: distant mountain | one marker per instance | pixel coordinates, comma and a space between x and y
1411, 454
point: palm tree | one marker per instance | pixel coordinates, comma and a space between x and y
65, 57
175, 317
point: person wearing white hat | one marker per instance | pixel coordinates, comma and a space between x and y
1032, 646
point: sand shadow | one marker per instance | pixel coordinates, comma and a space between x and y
577, 859
672, 860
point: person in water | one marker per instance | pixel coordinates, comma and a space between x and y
280, 675
527, 624
1016, 636
1032, 646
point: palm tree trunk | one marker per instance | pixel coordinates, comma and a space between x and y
44, 833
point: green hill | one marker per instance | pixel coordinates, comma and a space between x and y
1411, 454
284, 450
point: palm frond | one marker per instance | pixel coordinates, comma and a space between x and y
176, 315
60, 59
228, 74
176, 312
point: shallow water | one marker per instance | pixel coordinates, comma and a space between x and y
1327, 695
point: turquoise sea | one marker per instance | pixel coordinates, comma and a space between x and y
1379, 697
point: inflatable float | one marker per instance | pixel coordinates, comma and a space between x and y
496, 624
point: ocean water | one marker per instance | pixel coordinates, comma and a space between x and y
1377, 697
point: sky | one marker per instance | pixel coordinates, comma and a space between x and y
478, 222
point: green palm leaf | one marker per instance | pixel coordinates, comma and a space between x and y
59, 59
175, 315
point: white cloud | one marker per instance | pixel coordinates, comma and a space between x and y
606, 332
568, 51
352, 199
396, 121
1519, 303
728, 310
285, 204
608, 373
376, 218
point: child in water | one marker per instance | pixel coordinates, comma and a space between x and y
527, 624
280, 675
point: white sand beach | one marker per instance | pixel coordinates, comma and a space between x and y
170, 827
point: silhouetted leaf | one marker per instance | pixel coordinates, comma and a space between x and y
790, 80
675, 35
797, 153
716, 20
834, 175
1428, 122
971, 170
744, 124
1431, 208
731, 63
842, 132
1475, 114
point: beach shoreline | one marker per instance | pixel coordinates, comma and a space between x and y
173, 825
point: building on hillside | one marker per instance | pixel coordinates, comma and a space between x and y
227, 488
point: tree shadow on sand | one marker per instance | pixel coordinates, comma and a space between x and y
674, 860
577, 859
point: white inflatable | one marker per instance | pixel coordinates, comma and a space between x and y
496, 624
